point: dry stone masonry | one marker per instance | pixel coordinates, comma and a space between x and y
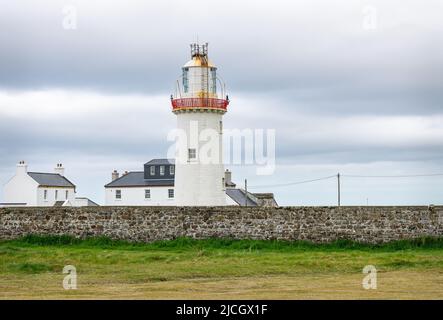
317, 224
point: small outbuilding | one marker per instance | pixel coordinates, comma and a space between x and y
41, 189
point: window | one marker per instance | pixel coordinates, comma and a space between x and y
221, 126
213, 88
185, 80
223, 183
45, 194
170, 193
147, 194
152, 170
192, 154
162, 170
171, 170
56, 194
118, 194
66, 194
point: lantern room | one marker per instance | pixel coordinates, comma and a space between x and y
199, 88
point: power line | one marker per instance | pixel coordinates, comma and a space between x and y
292, 183
392, 176
347, 176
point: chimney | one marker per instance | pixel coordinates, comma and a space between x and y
228, 178
22, 168
59, 169
115, 175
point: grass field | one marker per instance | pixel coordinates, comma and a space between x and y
31, 268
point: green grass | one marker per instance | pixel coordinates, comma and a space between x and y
217, 243
105, 263
213, 257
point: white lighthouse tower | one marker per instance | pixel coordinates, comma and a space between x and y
200, 101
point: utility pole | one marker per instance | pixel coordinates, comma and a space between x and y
246, 192
338, 188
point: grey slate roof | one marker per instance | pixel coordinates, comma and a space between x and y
239, 197
137, 179
51, 179
161, 161
58, 203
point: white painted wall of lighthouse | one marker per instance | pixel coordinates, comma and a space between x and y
198, 182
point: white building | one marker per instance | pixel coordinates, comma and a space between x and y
41, 189
155, 186
199, 104
193, 178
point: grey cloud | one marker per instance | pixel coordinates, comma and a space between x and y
298, 67
141, 48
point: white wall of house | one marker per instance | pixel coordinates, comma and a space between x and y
230, 202
135, 196
77, 202
80, 202
51, 195
21, 188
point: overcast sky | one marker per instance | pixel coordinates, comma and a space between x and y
349, 86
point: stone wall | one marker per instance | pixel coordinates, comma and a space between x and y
317, 224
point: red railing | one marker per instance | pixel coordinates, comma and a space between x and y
194, 103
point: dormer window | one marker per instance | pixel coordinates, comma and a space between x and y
192, 154
171, 170
162, 170
152, 170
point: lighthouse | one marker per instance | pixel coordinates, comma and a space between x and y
199, 102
